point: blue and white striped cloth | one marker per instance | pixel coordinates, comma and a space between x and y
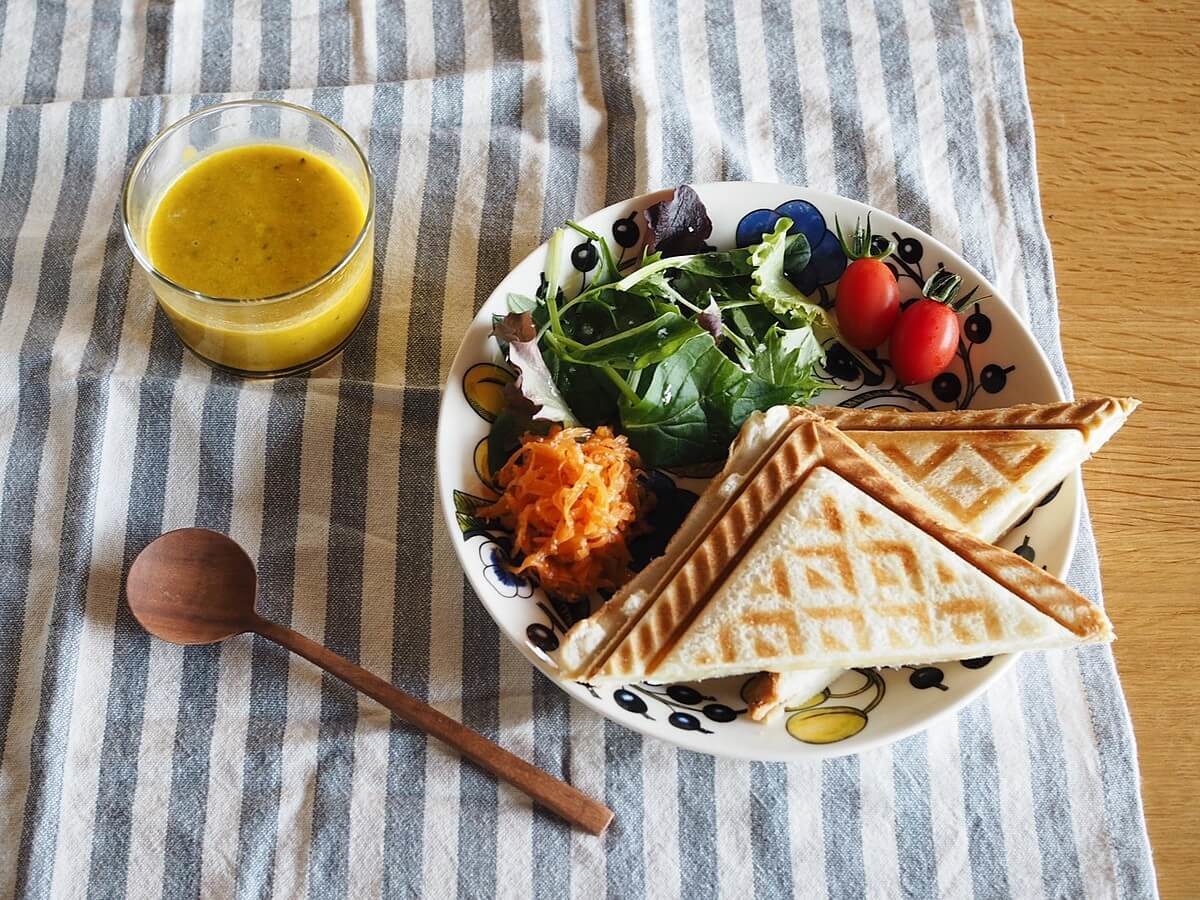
132, 768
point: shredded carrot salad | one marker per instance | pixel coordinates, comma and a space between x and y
571, 500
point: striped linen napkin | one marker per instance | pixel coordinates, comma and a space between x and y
133, 768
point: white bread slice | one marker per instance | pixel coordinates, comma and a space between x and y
980, 482
592, 638
839, 579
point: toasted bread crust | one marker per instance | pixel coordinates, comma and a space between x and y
1092, 416
681, 550
683, 591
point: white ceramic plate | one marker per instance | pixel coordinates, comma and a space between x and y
999, 364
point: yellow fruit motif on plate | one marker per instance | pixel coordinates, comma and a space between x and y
815, 700
826, 725
483, 385
812, 723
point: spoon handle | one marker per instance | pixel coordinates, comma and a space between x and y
571, 804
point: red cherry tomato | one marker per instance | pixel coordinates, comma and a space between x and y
868, 302
924, 341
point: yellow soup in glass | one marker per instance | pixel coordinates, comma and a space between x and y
250, 223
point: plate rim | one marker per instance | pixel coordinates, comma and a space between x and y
735, 749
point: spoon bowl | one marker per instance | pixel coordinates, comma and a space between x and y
193, 586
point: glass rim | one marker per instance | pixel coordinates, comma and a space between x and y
143, 258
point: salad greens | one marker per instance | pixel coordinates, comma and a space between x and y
676, 353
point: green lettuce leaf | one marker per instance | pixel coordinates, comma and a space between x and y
771, 285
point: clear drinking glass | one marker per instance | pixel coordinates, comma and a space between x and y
274, 335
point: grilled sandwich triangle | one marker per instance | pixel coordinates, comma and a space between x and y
839, 580
978, 471
770, 584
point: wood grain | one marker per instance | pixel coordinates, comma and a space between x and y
1115, 97
571, 804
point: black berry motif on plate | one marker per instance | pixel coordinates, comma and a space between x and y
542, 637
627, 233
593, 251
631, 702
1025, 551
585, 256
689, 708
925, 677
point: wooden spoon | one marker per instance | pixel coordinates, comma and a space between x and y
195, 586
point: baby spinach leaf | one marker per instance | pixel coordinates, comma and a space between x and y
669, 425
658, 287
599, 314
751, 322
634, 348
589, 320
724, 290
718, 263
786, 358
692, 405
732, 395
587, 390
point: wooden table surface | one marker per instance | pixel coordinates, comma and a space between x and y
1115, 97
